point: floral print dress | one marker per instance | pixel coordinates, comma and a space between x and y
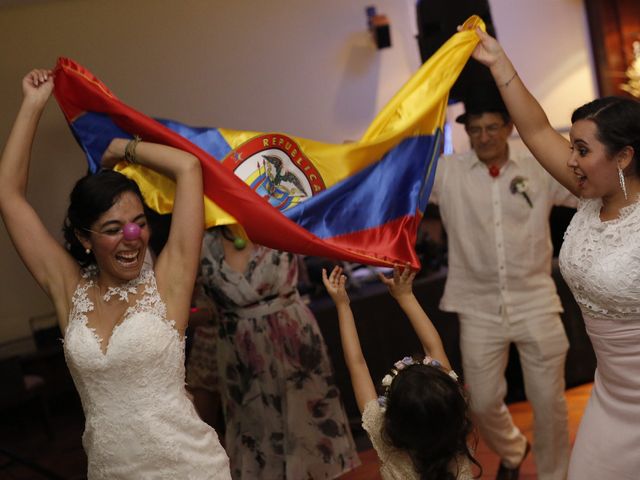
284, 415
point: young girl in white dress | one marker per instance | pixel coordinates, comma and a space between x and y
600, 255
420, 427
123, 321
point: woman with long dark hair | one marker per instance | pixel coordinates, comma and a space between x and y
600, 255
123, 321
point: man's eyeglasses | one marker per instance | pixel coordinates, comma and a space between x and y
491, 130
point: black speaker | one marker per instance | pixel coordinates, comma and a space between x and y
381, 31
379, 27
438, 21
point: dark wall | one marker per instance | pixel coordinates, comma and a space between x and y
437, 21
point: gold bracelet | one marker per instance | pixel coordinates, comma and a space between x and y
130, 149
506, 84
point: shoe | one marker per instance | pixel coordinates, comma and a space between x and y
505, 473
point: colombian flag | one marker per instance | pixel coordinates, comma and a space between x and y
359, 202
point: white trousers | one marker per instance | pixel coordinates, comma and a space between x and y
542, 346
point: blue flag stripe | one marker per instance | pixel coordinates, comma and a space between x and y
384, 191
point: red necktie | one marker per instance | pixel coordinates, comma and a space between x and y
494, 171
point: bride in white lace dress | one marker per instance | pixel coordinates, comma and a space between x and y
124, 322
600, 256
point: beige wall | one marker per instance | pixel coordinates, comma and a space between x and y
221, 63
305, 67
548, 41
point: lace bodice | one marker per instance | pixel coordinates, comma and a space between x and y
600, 261
139, 421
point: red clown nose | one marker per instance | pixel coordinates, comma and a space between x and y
131, 231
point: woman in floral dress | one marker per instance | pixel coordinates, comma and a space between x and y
284, 415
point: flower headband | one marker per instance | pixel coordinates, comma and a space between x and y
401, 365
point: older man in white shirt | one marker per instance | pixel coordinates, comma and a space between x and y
495, 207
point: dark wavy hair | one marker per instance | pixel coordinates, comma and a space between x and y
618, 122
427, 416
91, 196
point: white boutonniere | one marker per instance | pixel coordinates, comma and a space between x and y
520, 185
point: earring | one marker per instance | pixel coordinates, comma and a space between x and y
87, 251
622, 184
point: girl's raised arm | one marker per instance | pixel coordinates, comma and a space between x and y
401, 288
361, 381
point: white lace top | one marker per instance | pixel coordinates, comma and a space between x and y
139, 421
600, 261
396, 464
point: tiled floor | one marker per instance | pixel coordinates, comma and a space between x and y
22, 434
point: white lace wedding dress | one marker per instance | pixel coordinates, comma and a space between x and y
140, 424
600, 262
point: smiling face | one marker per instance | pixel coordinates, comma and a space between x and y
488, 135
119, 259
595, 169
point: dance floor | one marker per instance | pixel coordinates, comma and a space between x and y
22, 435
576, 401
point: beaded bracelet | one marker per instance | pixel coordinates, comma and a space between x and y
130, 149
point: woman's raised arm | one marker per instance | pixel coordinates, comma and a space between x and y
550, 148
177, 264
52, 267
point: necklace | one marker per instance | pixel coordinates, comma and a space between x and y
120, 291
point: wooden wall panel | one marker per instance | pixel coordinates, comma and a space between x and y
614, 26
